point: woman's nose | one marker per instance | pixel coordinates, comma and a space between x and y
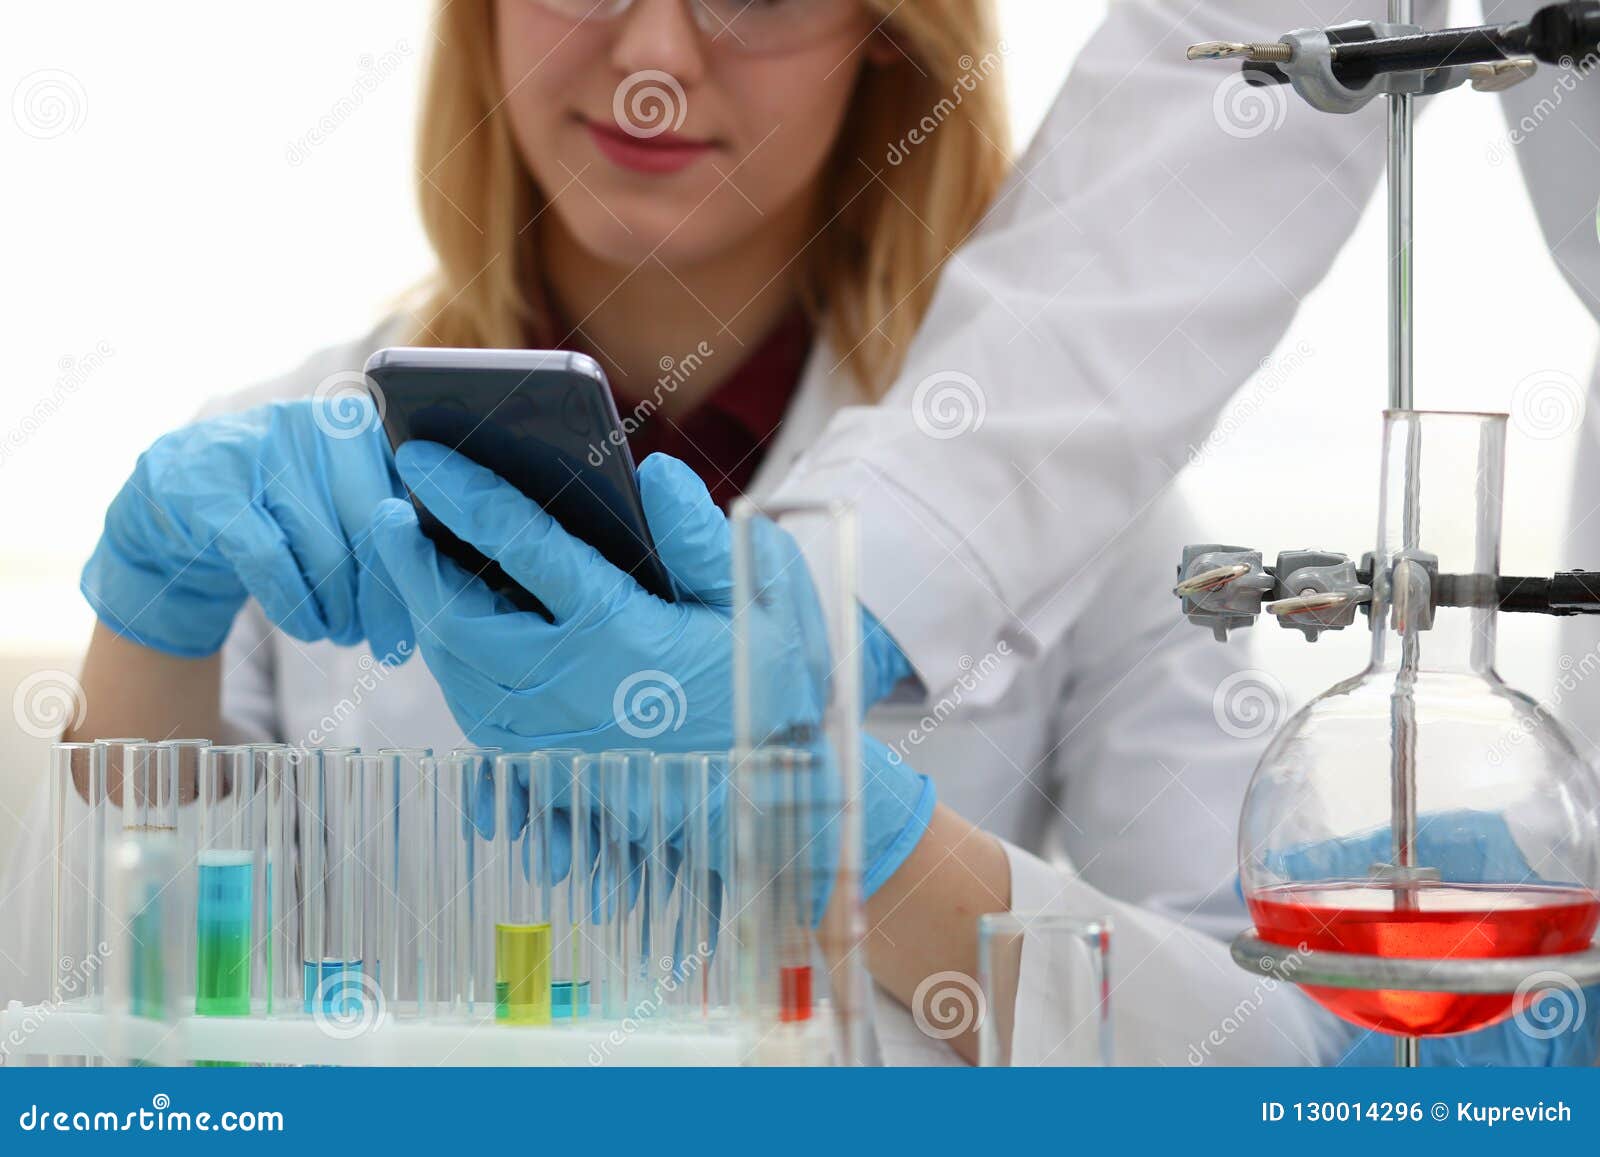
660, 34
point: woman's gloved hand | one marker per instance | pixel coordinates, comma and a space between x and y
272, 503
619, 667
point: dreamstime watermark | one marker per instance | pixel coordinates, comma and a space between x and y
1249, 704
72, 980
971, 678
1575, 672
673, 976
373, 673
1273, 374
160, 1117
1547, 404
1245, 111
973, 73
1571, 73
1241, 1012
348, 1003
347, 404
948, 404
1549, 1004
674, 373
48, 702
948, 1004
649, 703
649, 103
372, 72
49, 103
75, 372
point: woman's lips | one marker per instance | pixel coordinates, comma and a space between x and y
666, 153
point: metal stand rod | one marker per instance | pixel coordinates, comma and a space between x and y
1401, 169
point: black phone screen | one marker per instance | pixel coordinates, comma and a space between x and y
552, 432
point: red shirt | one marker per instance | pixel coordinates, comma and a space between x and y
727, 435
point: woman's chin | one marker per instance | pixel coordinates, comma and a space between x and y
632, 239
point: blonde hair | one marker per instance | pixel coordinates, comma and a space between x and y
920, 158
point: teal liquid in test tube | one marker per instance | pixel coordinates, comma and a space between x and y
222, 933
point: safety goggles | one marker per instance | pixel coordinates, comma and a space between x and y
757, 27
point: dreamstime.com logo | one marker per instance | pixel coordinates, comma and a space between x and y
649, 703
46, 703
1237, 1017
49, 103
373, 672
1549, 1004
1245, 111
347, 404
1547, 404
75, 374
160, 1117
348, 1004
948, 404
1249, 704
649, 103
72, 980
673, 976
948, 1004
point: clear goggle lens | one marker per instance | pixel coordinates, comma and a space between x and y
753, 26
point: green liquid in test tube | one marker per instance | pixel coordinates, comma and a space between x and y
222, 931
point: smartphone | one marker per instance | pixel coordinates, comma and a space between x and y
543, 420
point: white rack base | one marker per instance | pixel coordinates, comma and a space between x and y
75, 1030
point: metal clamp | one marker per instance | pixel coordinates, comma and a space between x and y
1310, 69
1222, 586
1320, 591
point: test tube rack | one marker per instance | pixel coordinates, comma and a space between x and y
402, 873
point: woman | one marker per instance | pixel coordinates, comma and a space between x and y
644, 182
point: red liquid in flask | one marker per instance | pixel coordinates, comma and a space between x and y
1428, 920
794, 993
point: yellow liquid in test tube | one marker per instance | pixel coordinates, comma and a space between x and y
522, 973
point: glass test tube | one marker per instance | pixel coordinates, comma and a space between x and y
145, 969
797, 764
623, 799
466, 857
185, 756
596, 903
455, 865
403, 827
563, 854
327, 803
137, 796
521, 930
229, 865
77, 790
141, 788
720, 991
1057, 967
679, 885
279, 947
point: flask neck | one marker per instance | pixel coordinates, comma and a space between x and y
1461, 640
1439, 515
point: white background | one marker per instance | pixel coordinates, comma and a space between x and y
171, 225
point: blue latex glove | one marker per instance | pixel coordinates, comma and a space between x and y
618, 666
271, 503
1465, 846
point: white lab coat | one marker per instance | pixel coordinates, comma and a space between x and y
1141, 245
